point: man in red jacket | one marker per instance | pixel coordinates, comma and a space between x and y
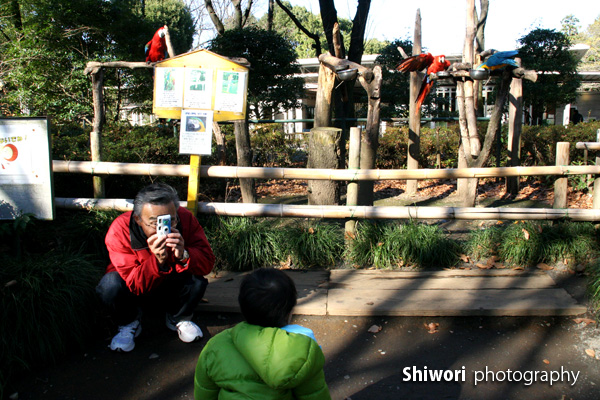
147, 268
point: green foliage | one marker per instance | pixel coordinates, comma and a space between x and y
46, 46
521, 243
411, 244
45, 305
271, 148
483, 243
529, 243
242, 244
312, 244
591, 37
547, 52
271, 84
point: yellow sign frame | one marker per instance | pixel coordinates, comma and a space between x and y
207, 60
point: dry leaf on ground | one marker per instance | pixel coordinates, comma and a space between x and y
587, 321
590, 352
546, 361
544, 267
432, 327
482, 266
374, 329
526, 234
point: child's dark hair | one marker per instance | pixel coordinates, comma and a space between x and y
267, 297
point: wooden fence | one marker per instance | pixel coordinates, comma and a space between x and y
353, 212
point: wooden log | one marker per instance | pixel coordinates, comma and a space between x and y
360, 212
596, 198
93, 66
591, 146
515, 116
414, 124
561, 184
354, 165
112, 168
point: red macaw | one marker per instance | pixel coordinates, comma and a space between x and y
415, 63
438, 65
421, 62
157, 47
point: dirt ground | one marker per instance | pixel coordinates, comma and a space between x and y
510, 358
368, 357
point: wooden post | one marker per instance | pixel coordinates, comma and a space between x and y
352, 191
193, 184
96, 134
596, 199
561, 184
324, 95
168, 42
515, 123
323, 152
414, 123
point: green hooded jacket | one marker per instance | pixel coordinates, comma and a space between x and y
253, 362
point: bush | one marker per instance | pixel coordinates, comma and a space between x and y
384, 245
44, 307
312, 245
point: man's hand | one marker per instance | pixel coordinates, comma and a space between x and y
175, 243
158, 246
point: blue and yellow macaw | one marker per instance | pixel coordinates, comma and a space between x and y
499, 60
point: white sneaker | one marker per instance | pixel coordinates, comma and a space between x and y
125, 339
187, 330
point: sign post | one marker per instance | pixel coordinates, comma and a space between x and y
198, 88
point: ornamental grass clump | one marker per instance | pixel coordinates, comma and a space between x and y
571, 242
483, 243
383, 245
521, 243
312, 245
45, 305
243, 244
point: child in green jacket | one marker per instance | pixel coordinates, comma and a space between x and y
257, 359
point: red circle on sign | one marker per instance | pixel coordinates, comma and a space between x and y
10, 152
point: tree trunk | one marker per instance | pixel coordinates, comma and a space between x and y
515, 122
244, 159
368, 149
324, 152
221, 146
96, 134
414, 124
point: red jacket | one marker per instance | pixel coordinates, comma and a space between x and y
137, 265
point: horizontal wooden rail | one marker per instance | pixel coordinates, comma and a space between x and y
111, 168
587, 145
358, 212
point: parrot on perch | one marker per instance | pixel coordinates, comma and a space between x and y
157, 47
424, 61
499, 60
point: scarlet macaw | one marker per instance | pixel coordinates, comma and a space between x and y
157, 47
499, 59
420, 62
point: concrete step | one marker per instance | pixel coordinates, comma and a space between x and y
411, 293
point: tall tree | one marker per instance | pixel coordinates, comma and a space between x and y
591, 37
547, 51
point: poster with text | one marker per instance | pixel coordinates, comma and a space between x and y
196, 132
169, 87
25, 168
230, 91
198, 88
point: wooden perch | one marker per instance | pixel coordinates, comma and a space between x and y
336, 64
93, 66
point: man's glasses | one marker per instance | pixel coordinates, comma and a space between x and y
152, 222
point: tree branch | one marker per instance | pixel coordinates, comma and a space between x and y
214, 17
298, 24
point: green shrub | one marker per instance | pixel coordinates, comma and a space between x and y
483, 243
521, 243
45, 307
574, 242
242, 244
312, 245
391, 245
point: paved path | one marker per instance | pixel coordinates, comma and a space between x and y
398, 293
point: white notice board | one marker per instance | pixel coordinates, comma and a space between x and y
25, 168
